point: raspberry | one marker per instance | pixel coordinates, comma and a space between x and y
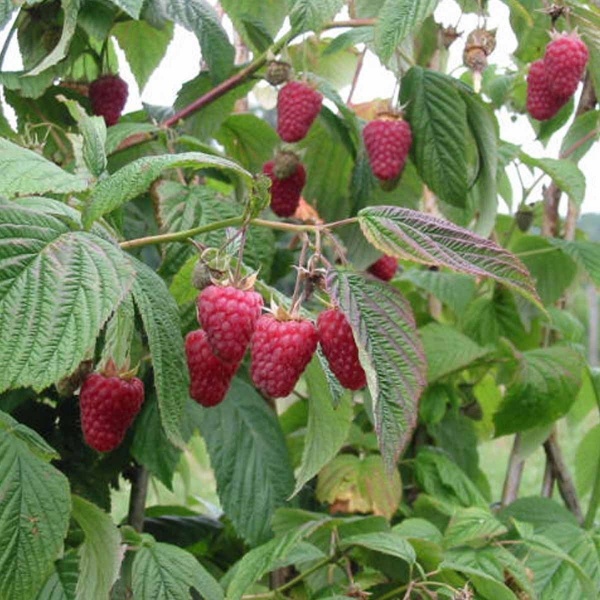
542, 104
228, 315
388, 143
384, 268
564, 64
280, 352
108, 95
108, 407
285, 193
297, 107
339, 347
210, 377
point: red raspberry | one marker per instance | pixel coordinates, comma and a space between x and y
108, 95
339, 347
388, 143
210, 377
280, 352
542, 104
385, 268
228, 315
564, 63
285, 193
297, 107
108, 407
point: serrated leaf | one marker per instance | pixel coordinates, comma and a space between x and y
577, 140
416, 236
63, 580
250, 459
135, 178
57, 289
390, 352
119, 333
437, 116
131, 7
587, 254
391, 543
6, 9
23, 172
121, 131
101, 552
311, 15
543, 388
327, 426
160, 316
396, 20
165, 572
472, 523
34, 514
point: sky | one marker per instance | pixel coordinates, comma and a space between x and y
182, 59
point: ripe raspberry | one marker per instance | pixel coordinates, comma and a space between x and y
564, 63
297, 107
108, 95
388, 143
339, 347
210, 377
281, 350
542, 104
385, 268
108, 407
228, 315
285, 193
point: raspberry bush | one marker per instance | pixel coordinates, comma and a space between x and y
258, 344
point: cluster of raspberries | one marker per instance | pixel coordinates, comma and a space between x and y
553, 80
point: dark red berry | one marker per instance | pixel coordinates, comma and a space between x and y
281, 350
108, 407
285, 193
388, 143
385, 268
210, 377
339, 348
108, 95
542, 104
229, 315
298, 105
564, 63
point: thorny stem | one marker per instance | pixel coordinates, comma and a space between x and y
297, 296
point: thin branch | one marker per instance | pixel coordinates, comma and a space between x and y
137, 498
514, 473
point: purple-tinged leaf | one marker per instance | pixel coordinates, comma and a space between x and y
413, 235
390, 352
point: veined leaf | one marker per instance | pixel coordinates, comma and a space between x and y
416, 236
390, 352
587, 459
131, 7
63, 580
396, 20
391, 543
6, 9
136, 177
34, 511
587, 254
57, 289
23, 171
472, 523
310, 15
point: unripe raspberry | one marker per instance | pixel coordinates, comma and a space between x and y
339, 348
285, 193
278, 72
108, 95
229, 315
387, 142
108, 407
564, 63
281, 350
298, 105
385, 268
210, 377
542, 104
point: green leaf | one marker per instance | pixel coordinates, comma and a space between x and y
131, 7
160, 316
144, 47
391, 543
541, 512
542, 389
165, 572
57, 289
135, 178
6, 9
390, 352
311, 15
416, 236
119, 334
249, 456
327, 427
470, 524
577, 140
585, 253
200, 17
396, 20
438, 119
34, 511
62, 582
121, 131
587, 460
100, 554
24, 172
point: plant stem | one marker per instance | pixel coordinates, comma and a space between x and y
514, 473
137, 498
